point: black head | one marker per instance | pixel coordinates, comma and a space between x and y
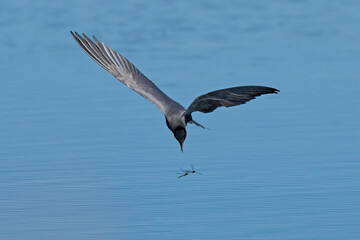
180, 135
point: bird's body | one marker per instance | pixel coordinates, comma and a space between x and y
175, 119
176, 116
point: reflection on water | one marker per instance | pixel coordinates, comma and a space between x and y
83, 157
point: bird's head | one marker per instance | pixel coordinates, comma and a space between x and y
180, 135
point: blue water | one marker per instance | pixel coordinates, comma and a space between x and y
83, 157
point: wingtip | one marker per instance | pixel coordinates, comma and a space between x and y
95, 39
276, 91
74, 35
77, 35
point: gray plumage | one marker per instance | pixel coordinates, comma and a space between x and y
177, 117
126, 72
227, 97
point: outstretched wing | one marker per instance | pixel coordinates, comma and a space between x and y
126, 72
227, 97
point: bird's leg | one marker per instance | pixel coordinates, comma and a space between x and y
198, 124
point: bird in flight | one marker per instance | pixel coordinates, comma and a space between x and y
176, 116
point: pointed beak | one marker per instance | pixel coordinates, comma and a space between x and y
181, 146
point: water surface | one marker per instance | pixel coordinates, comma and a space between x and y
83, 157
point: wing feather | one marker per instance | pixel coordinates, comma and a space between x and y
227, 97
126, 72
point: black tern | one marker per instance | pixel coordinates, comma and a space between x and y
176, 116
